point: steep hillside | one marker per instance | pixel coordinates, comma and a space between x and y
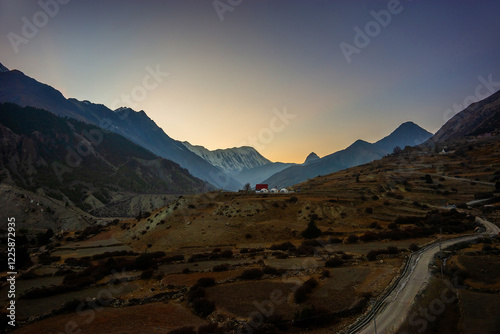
80, 163
15, 87
478, 118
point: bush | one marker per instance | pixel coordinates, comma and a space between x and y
334, 262
206, 282
372, 255
286, 246
301, 294
254, 273
369, 211
144, 261
203, 307
368, 236
272, 271
312, 283
334, 241
312, 231
227, 254
195, 293
220, 267
352, 239
147, 274
393, 226
413, 247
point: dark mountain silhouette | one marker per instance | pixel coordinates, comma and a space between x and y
15, 87
79, 162
360, 152
478, 118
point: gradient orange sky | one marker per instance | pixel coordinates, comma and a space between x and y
226, 77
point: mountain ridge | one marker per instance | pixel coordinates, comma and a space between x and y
358, 153
231, 160
16, 87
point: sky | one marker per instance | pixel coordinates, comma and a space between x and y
287, 77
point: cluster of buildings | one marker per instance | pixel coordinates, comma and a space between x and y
264, 189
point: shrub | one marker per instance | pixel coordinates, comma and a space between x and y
253, 273
393, 226
206, 282
369, 211
221, 267
147, 274
144, 261
312, 231
334, 241
286, 246
334, 262
306, 250
368, 236
227, 254
413, 247
203, 307
352, 239
372, 255
301, 294
271, 271
312, 283
392, 250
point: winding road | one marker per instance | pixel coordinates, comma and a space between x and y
392, 310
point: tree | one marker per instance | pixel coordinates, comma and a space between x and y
428, 179
312, 231
397, 150
247, 188
43, 238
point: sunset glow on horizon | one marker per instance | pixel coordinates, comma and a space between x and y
228, 83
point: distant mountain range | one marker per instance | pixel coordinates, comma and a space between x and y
70, 161
360, 152
15, 87
231, 160
232, 168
